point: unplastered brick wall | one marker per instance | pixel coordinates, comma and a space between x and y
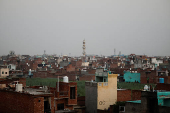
87, 77
64, 87
127, 95
39, 105
13, 102
163, 86
123, 95
136, 94
145, 76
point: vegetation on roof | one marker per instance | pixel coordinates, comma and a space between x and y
51, 82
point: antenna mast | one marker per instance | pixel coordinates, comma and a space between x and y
114, 52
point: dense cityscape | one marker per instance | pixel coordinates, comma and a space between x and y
99, 84
84, 56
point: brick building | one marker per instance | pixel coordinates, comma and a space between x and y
148, 104
17, 98
26, 102
65, 96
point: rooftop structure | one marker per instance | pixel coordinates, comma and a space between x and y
102, 93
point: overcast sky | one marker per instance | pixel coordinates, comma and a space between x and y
59, 26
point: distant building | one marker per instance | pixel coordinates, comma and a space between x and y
85, 64
4, 72
131, 76
64, 63
12, 67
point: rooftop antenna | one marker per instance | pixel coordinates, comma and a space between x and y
114, 51
119, 53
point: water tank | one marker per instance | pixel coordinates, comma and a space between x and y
161, 80
29, 73
65, 79
19, 87
146, 87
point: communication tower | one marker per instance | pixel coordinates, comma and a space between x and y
119, 53
114, 52
84, 48
44, 52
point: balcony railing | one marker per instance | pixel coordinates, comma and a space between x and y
95, 84
101, 74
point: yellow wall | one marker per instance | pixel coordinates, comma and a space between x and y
4, 70
107, 95
85, 64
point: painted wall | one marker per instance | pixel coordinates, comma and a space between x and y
157, 61
163, 98
12, 67
131, 77
85, 64
107, 92
4, 72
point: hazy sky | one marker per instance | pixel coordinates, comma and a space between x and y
59, 26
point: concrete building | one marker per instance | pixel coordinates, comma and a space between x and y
64, 63
156, 61
85, 64
102, 93
151, 102
4, 72
28, 100
12, 67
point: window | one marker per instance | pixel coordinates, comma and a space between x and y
72, 92
5, 72
2, 72
60, 106
121, 108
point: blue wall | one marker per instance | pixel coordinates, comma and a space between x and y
131, 77
163, 98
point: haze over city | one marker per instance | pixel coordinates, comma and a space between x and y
60, 26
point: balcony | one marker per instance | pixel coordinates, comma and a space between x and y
101, 74
62, 94
102, 84
95, 84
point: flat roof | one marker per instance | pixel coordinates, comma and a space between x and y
37, 91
